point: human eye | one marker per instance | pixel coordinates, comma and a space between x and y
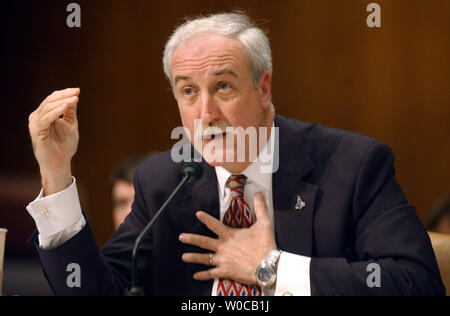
224, 86
188, 91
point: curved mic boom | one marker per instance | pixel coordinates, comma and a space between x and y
190, 172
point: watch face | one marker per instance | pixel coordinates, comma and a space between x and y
264, 275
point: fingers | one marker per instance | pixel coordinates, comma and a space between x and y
212, 223
260, 207
52, 100
53, 105
62, 94
70, 115
199, 241
58, 103
207, 259
214, 273
52, 115
46, 117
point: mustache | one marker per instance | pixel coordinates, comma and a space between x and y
214, 129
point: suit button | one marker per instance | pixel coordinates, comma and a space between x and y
287, 294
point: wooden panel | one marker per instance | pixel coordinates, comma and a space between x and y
390, 83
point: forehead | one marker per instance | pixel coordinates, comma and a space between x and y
209, 52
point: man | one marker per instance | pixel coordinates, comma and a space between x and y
329, 213
440, 221
122, 188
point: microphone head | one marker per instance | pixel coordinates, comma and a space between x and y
193, 170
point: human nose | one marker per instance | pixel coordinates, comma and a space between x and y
209, 109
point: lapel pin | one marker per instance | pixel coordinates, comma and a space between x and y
300, 204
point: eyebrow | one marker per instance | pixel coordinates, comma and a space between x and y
217, 73
225, 71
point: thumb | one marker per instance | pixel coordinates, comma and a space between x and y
70, 115
260, 206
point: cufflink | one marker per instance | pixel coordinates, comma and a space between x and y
287, 294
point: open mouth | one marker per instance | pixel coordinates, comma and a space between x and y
215, 136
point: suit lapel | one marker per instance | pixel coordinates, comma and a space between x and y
293, 227
203, 195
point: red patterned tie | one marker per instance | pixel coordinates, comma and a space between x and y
238, 215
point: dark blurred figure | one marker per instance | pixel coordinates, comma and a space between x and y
440, 221
123, 189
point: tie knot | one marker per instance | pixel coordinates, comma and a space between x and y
236, 184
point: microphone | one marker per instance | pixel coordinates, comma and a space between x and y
190, 172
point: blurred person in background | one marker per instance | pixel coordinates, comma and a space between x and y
122, 188
440, 221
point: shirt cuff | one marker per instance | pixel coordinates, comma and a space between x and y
293, 277
56, 213
56, 240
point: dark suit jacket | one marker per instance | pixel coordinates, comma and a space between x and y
355, 214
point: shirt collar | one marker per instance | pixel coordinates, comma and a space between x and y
253, 171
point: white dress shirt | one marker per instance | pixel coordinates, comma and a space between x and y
59, 217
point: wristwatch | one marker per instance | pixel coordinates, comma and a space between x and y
266, 273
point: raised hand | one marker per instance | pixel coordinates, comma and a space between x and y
54, 134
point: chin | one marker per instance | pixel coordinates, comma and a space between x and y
214, 159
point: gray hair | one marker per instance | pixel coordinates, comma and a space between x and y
236, 25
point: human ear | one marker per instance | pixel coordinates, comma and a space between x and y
265, 88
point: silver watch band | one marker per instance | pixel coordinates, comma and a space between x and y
272, 258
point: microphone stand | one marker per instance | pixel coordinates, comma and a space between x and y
135, 289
